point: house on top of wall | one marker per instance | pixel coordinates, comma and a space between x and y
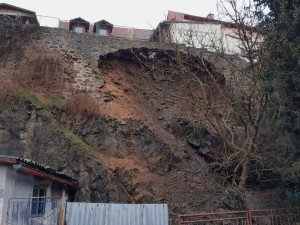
79, 25
29, 17
103, 28
199, 32
31, 193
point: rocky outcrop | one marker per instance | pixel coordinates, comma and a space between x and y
146, 145
112, 162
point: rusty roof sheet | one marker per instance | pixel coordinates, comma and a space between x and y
4, 159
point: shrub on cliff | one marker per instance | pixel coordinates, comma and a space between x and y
82, 105
44, 71
7, 92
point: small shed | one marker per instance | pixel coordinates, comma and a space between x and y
103, 28
28, 16
79, 25
32, 193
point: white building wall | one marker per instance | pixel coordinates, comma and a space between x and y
213, 37
2, 191
10, 177
16, 191
24, 186
232, 45
16, 185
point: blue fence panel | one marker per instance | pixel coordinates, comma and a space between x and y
33, 212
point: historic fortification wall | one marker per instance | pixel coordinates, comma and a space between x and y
85, 50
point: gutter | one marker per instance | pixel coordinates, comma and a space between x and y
6, 160
37, 173
21, 166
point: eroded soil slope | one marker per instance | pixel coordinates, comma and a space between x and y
146, 143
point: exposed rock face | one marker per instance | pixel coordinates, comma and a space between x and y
116, 163
147, 145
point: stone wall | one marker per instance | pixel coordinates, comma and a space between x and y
88, 47
85, 50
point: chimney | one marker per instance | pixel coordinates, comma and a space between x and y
210, 16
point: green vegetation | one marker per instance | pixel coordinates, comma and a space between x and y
83, 148
255, 112
57, 102
282, 31
69, 134
33, 100
37, 103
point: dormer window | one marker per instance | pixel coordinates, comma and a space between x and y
79, 30
102, 28
103, 32
79, 25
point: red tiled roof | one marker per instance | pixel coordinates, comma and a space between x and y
182, 17
119, 32
8, 6
177, 17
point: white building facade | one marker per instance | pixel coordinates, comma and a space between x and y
31, 193
211, 36
201, 32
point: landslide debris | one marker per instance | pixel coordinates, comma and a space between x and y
141, 144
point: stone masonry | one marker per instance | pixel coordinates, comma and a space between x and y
85, 50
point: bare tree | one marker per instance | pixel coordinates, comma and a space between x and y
236, 109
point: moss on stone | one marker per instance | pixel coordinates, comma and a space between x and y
58, 102
32, 99
37, 103
84, 149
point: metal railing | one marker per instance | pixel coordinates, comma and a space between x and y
287, 216
275, 216
48, 21
35, 210
233, 217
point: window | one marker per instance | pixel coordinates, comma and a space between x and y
103, 32
38, 202
79, 30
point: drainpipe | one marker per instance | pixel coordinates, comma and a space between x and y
133, 33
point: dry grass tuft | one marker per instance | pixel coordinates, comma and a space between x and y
43, 72
83, 105
8, 91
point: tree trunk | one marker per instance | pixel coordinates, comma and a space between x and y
244, 175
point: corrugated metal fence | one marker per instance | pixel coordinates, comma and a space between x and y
116, 214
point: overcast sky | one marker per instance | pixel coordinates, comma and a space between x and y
131, 13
